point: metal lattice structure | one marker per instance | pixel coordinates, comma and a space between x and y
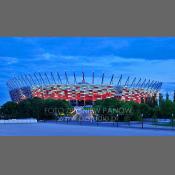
68, 87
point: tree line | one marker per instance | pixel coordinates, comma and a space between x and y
149, 108
43, 109
35, 108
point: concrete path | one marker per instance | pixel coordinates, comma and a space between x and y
54, 129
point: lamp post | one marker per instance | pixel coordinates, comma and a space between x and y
117, 120
172, 115
80, 120
97, 120
142, 119
113, 119
128, 118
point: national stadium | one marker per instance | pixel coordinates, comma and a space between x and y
80, 89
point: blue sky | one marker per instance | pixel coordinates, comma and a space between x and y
152, 57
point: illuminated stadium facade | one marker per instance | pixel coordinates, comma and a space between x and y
81, 90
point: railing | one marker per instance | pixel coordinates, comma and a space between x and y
127, 122
144, 123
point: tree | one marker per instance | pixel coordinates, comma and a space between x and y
9, 109
125, 109
144, 109
108, 108
35, 108
167, 96
160, 98
58, 107
154, 100
167, 108
151, 101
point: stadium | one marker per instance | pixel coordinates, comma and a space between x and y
81, 89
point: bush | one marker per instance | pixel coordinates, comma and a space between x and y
34, 108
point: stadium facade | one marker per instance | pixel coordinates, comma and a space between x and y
81, 89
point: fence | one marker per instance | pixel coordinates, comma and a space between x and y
144, 123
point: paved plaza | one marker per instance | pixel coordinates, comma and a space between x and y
57, 129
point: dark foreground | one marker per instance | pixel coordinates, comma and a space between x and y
57, 129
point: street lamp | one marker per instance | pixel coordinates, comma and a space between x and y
172, 119
97, 120
142, 119
117, 120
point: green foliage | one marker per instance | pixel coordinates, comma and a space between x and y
36, 108
108, 109
151, 101
160, 98
167, 107
167, 96
135, 110
9, 109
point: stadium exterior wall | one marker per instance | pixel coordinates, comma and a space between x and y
52, 85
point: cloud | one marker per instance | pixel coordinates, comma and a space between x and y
8, 60
152, 58
46, 56
161, 70
115, 44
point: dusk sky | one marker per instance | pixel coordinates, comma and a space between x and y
147, 57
